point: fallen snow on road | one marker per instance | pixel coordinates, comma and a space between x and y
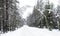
32, 31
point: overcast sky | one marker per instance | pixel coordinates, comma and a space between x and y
32, 3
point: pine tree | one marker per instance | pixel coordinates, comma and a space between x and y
34, 18
9, 15
58, 16
50, 17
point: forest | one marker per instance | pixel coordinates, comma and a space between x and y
44, 15
10, 18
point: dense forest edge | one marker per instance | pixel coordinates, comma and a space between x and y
44, 15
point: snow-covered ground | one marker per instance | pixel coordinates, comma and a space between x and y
32, 31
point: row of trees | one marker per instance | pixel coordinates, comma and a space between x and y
9, 15
45, 15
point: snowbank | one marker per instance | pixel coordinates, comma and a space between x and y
31, 31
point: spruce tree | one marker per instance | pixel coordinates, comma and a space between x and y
49, 17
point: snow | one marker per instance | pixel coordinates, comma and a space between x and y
32, 31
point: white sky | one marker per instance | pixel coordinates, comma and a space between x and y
27, 2
28, 10
32, 3
56, 2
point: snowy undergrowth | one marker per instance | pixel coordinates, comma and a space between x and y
32, 31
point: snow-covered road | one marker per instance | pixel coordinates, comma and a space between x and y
32, 31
